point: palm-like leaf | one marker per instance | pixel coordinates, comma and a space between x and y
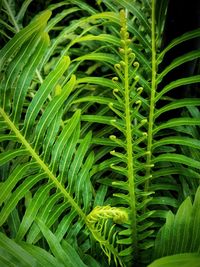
31, 161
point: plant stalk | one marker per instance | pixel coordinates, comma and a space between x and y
152, 100
131, 178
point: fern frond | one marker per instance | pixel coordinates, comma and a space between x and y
98, 219
48, 169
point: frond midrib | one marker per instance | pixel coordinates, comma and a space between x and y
152, 99
57, 184
129, 148
41, 163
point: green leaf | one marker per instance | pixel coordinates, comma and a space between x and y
185, 37
98, 119
53, 106
27, 76
178, 104
177, 83
185, 260
182, 159
17, 195
38, 24
177, 140
11, 254
18, 173
98, 99
109, 58
181, 232
179, 61
69, 257
60, 143
59, 17
11, 154
136, 11
36, 202
41, 95
78, 160
176, 122
14, 68
96, 80
43, 257
101, 37
23, 9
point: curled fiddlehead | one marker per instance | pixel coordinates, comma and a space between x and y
104, 231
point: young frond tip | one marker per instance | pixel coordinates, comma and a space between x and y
118, 215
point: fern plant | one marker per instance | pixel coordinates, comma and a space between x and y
91, 167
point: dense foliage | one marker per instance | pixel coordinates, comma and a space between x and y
100, 152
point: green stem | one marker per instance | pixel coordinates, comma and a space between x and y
11, 16
130, 166
152, 100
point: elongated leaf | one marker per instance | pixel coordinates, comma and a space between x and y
45, 215
179, 104
181, 231
13, 255
23, 9
186, 260
43, 257
178, 61
78, 159
17, 174
177, 122
178, 140
101, 37
51, 109
10, 48
177, 158
136, 12
39, 199
96, 80
9, 155
14, 68
186, 36
59, 17
27, 76
18, 195
99, 57
60, 143
177, 83
68, 257
68, 153
41, 95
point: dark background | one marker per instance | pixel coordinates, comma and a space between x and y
182, 16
